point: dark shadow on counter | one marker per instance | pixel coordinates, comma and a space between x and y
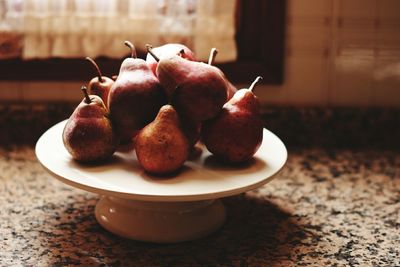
256, 232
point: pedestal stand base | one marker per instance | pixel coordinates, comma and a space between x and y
160, 222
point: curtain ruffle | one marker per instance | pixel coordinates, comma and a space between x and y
78, 28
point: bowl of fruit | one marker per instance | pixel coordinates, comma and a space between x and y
162, 144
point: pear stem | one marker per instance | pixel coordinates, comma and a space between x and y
99, 75
182, 52
85, 93
149, 49
211, 58
132, 47
259, 78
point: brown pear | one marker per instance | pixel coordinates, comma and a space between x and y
135, 97
99, 85
88, 134
162, 147
235, 135
195, 89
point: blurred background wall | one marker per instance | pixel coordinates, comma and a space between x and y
338, 53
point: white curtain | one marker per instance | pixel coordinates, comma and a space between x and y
77, 28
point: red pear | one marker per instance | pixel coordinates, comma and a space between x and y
169, 50
88, 134
195, 89
235, 135
99, 85
230, 87
135, 98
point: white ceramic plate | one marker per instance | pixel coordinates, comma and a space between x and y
201, 179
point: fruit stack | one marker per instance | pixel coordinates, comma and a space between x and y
164, 106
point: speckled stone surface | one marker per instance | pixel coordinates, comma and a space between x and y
326, 208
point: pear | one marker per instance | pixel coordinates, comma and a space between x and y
88, 135
230, 87
235, 135
135, 97
162, 147
168, 50
191, 129
99, 85
195, 89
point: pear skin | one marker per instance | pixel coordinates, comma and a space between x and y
231, 90
235, 135
99, 85
100, 88
191, 128
168, 50
162, 147
230, 87
88, 134
195, 89
135, 98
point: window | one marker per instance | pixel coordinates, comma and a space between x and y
259, 39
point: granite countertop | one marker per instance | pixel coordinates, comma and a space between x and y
328, 207
335, 203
